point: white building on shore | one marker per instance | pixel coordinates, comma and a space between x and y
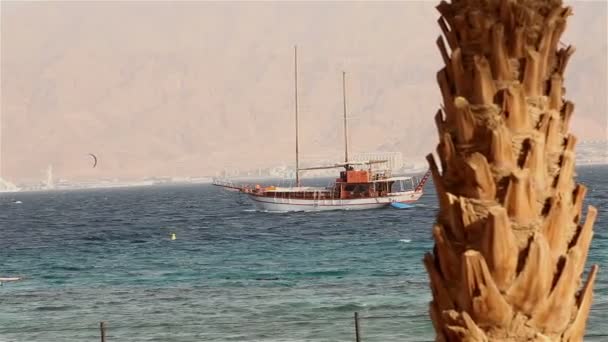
394, 159
6, 186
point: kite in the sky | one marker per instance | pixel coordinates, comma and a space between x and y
94, 159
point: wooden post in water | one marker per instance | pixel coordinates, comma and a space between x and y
357, 330
102, 329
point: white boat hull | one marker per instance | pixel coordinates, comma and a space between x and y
275, 204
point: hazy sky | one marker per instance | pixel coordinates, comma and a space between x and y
189, 88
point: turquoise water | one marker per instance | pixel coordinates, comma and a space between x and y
233, 274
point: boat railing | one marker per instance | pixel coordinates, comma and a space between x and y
423, 181
228, 184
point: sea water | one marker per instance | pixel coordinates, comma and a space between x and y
231, 274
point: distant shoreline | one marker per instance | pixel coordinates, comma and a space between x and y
202, 181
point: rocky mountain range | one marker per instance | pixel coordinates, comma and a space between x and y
190, 88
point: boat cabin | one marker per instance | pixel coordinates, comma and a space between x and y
365, 183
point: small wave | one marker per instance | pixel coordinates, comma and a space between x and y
405, 240
267, 278
94, 238
349, 307
69, 268
17, 202
416, 284
54, 308
274, 211
320, 274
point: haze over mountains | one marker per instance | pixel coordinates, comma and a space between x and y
191, 88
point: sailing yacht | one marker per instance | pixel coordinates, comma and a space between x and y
358, 185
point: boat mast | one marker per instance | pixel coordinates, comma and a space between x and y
295, 50
345, 129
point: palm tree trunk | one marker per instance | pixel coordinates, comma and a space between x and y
509, 245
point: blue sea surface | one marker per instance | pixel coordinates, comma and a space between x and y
232, 274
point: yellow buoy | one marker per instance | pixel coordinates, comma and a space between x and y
172, 236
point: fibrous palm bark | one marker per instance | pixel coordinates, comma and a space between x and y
510, 247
